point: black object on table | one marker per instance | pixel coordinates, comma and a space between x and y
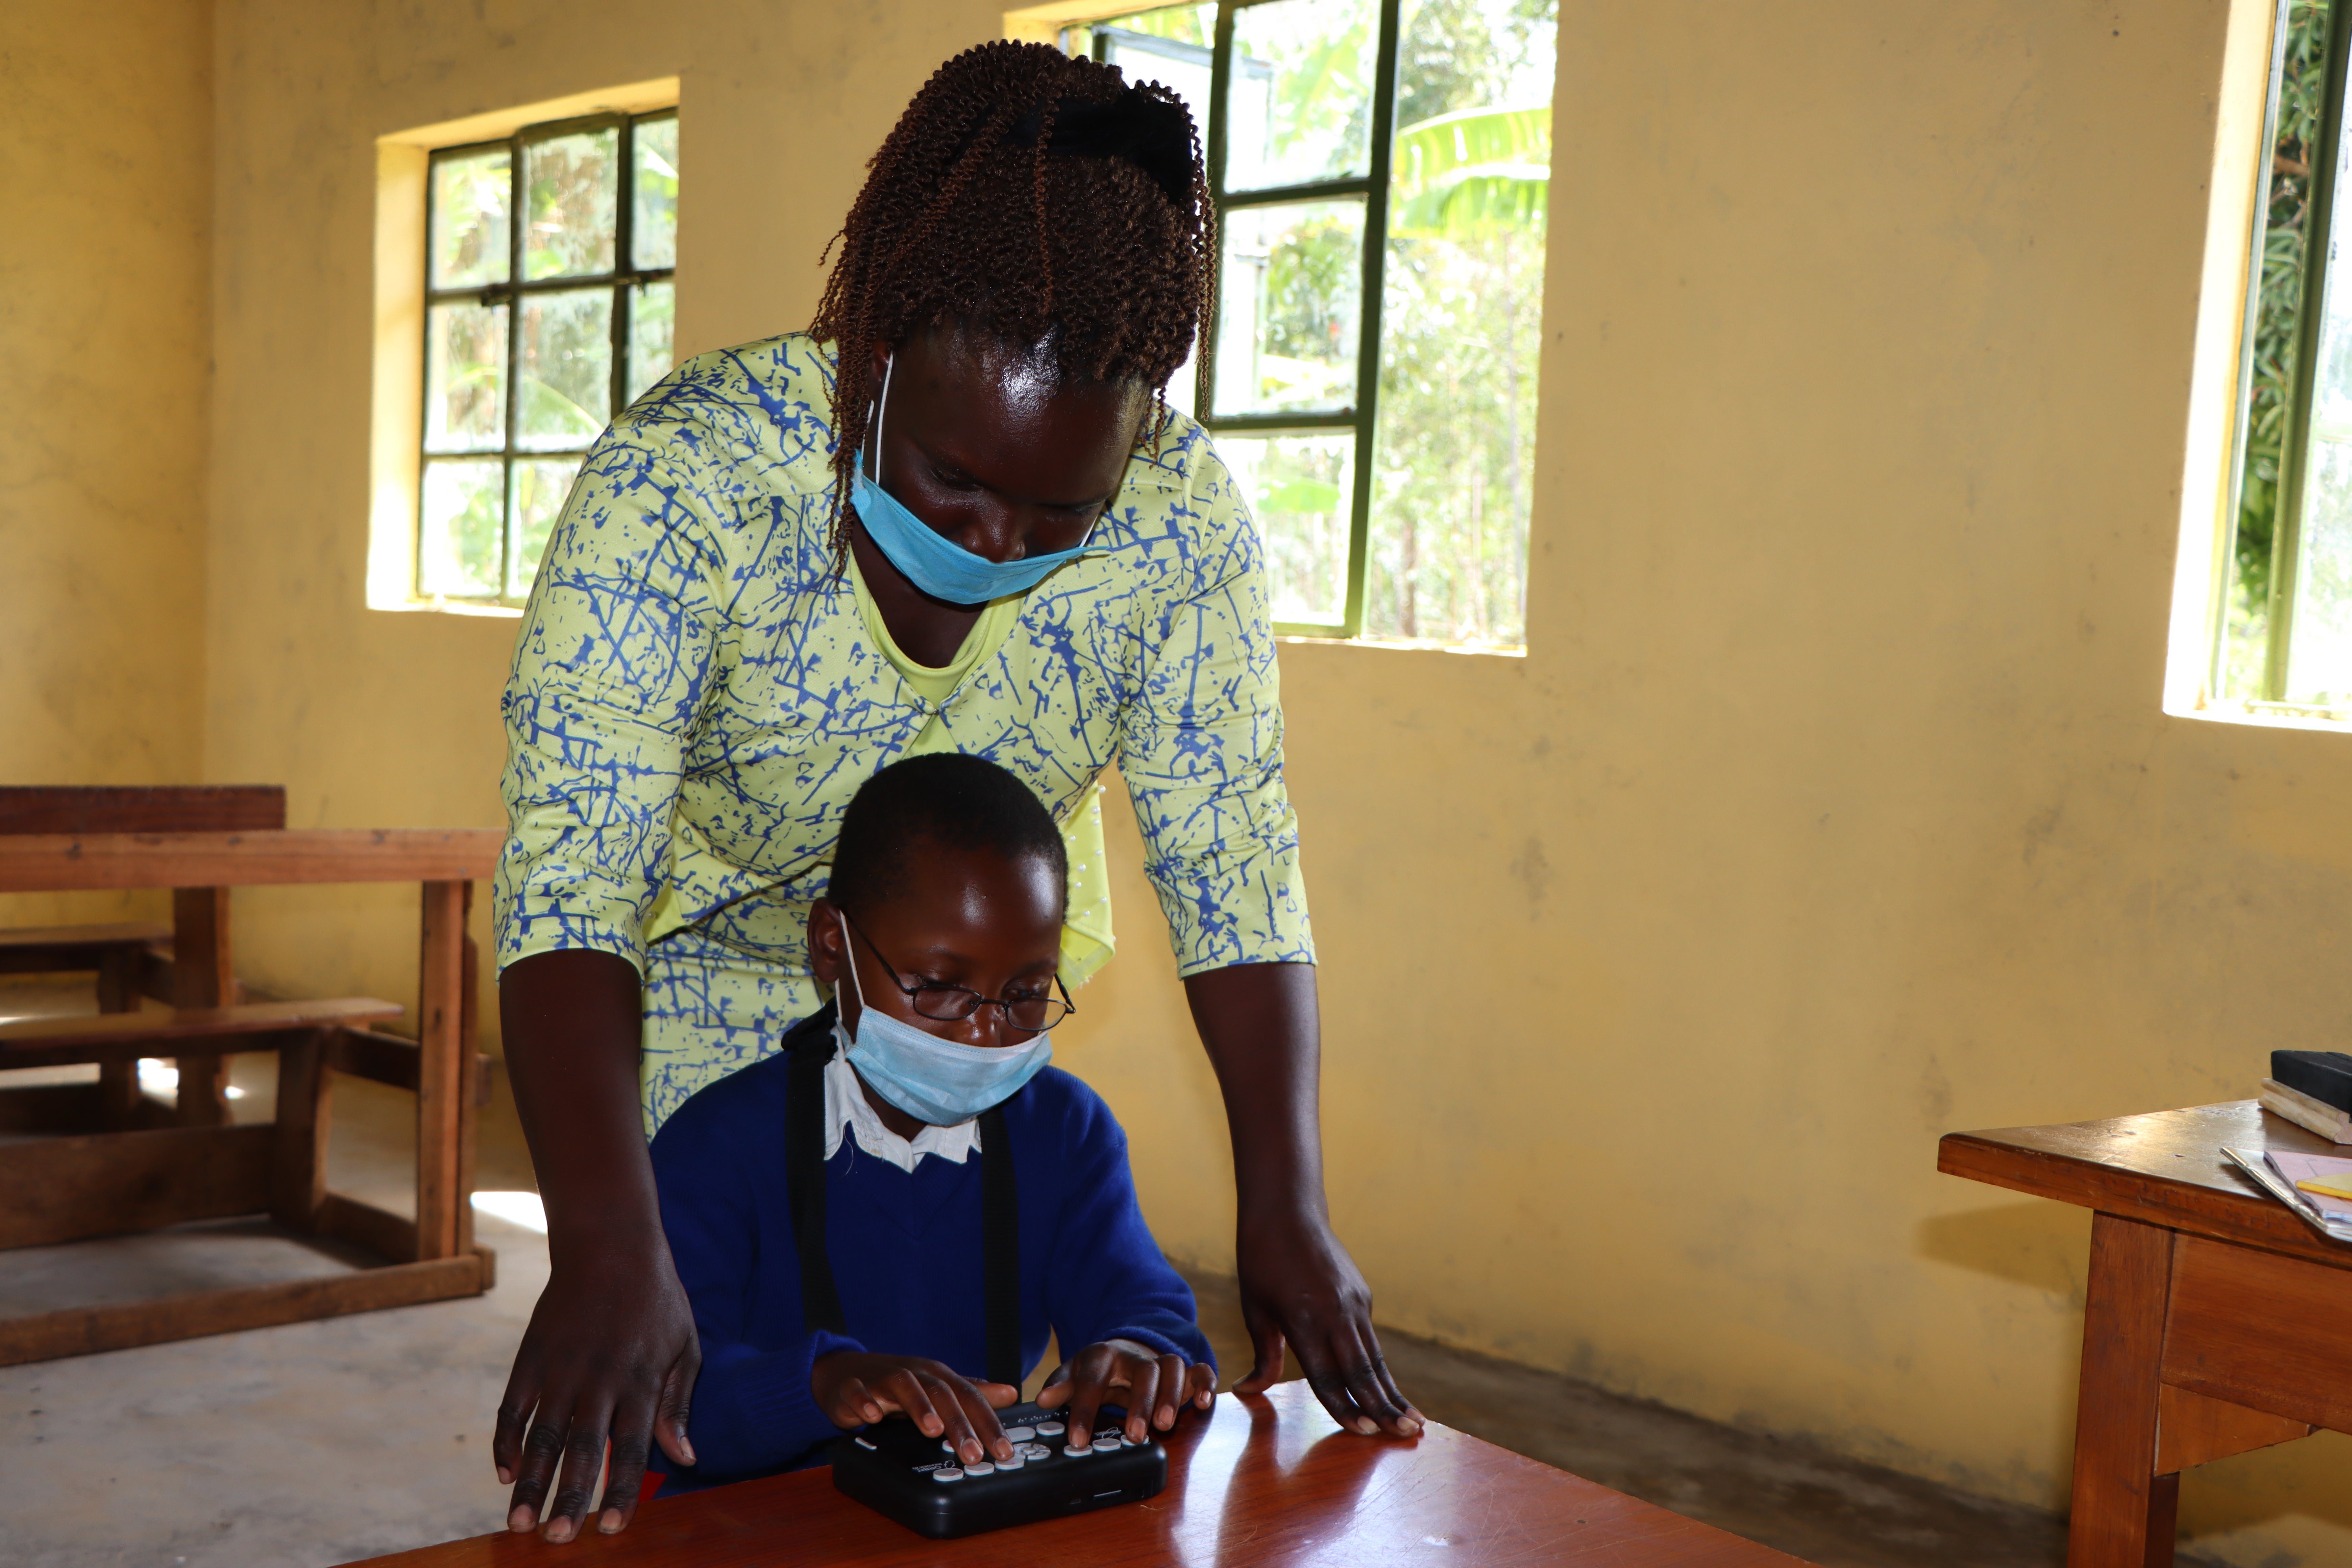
894, 1469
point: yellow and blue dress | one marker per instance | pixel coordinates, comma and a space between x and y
698, 692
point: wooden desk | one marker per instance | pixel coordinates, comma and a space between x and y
2216, 1320
1262, 1480
84, 1183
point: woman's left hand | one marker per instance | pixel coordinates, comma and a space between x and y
1150, 1386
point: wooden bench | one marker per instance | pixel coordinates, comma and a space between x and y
133, 960
73, 1187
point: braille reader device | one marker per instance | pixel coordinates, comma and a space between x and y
891, 1467
894, 1469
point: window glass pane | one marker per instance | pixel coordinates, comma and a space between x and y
1289, 293
457, 553
540, 486
655, 201
466, 378
470, 219
1300, 96
566, 368
575, 187
2270, 346
653, 310
1171, 47
2320, 662
1461, 324
2319, 650
1299, 488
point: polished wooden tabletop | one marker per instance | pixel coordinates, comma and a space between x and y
1259, 1481
2165, 1168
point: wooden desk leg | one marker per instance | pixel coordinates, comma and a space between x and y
118, 973
305, 1105
442, 1077
2124, 1512
201, 977
471, 1081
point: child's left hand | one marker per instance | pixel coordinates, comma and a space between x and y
1136, 1378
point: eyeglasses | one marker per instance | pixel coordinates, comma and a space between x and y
946, 1004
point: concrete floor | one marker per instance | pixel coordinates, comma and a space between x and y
322, 1442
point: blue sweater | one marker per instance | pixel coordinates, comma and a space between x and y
906, 1253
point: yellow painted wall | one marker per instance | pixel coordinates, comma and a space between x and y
1832, 808
105, 253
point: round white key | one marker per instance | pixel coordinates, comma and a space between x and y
947, 1445
981, 1469
947, 1473
1077, 1453
1015, 1463
1018, 1434
1050, 1428
1110, 1440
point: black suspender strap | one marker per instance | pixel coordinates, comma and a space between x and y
812, 1046
1000, 1247
804, 1173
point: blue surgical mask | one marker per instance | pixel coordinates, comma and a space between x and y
931, 1079
932, 561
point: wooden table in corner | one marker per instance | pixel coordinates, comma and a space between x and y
2216, 1320
1260, 1481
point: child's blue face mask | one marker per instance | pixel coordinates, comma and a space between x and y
932, 561
931, 1079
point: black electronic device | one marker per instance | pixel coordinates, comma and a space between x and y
2325, 1076
894, 1469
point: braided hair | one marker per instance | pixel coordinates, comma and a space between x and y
1112, 273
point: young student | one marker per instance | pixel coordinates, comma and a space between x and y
939, 935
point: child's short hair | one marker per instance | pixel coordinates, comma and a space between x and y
950, 799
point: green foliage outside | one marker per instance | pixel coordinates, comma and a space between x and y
2303, 89
1462, 323
1461, 316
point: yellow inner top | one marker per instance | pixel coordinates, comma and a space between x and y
1087, 939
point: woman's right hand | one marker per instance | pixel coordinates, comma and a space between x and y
611, 1355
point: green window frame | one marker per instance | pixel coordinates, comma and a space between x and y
517, 316
1379, 171
2285, 615
1357, 419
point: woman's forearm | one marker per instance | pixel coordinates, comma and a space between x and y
1300, 1290
571, 1025
609, 1360
1260, 1026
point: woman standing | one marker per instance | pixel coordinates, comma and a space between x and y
955, 515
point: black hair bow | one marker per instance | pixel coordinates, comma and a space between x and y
1151, 132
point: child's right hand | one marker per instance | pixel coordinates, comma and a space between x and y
855, 1387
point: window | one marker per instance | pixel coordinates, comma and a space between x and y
1381, 169
2285, 638
536, 334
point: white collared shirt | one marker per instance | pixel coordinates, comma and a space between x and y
845, 1105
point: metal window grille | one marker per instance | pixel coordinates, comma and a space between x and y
1225, 403
549, 300
1380, 170
2283, 610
